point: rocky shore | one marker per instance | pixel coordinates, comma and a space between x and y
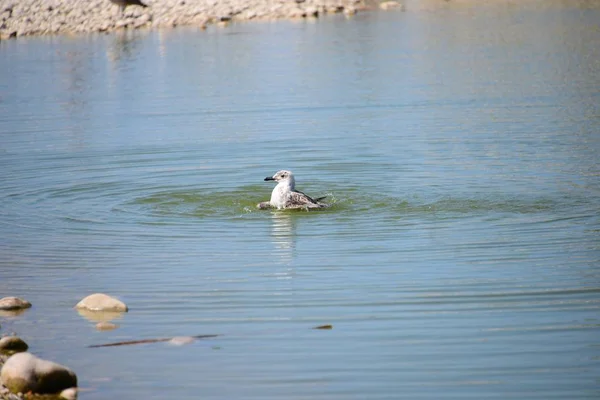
23, 375
48, 17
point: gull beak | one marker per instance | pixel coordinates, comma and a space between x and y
269, 178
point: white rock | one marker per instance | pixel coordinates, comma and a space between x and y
102, 302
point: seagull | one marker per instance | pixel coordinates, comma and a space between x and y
124, 3
285, 196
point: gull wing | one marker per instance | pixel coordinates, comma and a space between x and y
297, 199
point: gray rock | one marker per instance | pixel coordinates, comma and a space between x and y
24, 372
124, 23
12, 344
101, 302
13, 303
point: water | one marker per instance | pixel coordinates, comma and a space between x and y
458, 146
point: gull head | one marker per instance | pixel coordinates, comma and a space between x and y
283, 176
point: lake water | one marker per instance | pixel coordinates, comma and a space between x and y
459, 147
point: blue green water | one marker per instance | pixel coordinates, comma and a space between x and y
459, 149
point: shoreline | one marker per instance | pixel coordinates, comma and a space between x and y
20, 18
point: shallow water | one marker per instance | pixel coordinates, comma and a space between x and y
459, 148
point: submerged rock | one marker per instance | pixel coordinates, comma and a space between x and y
24, 372
12, 344
101, 302
13, 303
181, 340
106, 326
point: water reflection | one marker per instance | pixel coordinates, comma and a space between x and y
283, 235
12, 313
100, 316
125, 46
75, 104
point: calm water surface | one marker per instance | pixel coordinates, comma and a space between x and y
459, 147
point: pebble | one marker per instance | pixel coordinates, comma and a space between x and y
43, 17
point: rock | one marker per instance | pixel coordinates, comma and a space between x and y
38, 17
24, 372
181, 340
123, 23
69, 394
101, 302
13, 303
349, 11
312, 12
106, 326
335, 9
387, 5
141, 21
12, 344
104, 27
4, 393
296, 13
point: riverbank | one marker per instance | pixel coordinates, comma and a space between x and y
49, 17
